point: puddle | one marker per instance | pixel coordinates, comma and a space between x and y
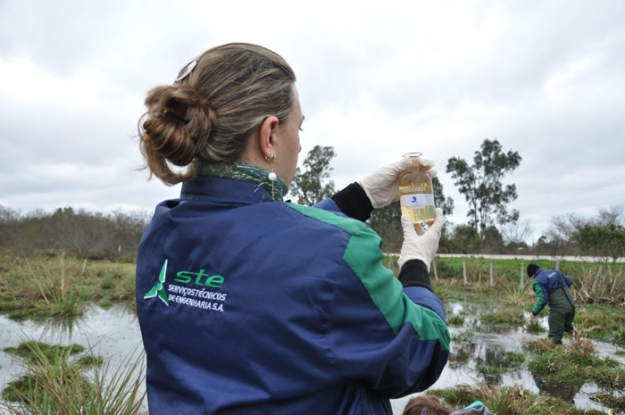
115, 334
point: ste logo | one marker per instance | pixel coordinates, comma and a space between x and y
183, 277
159, 290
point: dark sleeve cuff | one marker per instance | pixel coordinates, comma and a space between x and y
353, 202
414, 273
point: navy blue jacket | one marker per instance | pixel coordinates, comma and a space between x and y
251, 306
546, 282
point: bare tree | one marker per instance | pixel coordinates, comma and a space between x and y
516, 233
614, 215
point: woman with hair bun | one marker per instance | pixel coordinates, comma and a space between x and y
251, 305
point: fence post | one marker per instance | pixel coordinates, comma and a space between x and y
434, 267
464, 269
558, 264
594, 284
491, 272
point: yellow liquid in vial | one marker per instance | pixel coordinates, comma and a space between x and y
420, 215
417, 183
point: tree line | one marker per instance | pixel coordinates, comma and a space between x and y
113, 236
490, 229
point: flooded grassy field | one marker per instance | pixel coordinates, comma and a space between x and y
497, 355
492, 354
111, 333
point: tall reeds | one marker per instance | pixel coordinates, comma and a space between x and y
604, 286
62, 385
514, 295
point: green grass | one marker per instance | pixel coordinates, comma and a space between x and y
107, 280
65, 385
492, 370
513, 359
455, 290
509, 360
601, 322
507, 317
478, 269
61, 286
33, 351
574, 364
455, 320
534, 327
105, 304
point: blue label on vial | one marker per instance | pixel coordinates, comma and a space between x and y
415, 200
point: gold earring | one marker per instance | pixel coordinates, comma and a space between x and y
272, 176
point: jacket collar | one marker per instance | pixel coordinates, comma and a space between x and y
239, 170
208, 188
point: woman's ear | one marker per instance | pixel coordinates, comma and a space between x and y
267, 138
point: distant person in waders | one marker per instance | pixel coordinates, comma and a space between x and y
552, 287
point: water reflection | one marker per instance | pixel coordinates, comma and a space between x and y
113, 334
491, 362
60, 329
462, 354
566, 391
95, 321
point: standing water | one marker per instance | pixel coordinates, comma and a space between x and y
114, 334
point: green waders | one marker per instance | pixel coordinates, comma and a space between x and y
561, 314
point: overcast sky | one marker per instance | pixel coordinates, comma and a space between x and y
376, 80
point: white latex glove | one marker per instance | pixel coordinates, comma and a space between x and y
419, 244
382, 186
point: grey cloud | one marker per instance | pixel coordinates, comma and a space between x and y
57, 34
56, 138
347, 56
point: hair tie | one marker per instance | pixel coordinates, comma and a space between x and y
174, 115
187, 71
425, 410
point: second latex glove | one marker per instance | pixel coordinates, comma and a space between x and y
422, 247
382, 186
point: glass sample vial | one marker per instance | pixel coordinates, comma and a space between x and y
416, 194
